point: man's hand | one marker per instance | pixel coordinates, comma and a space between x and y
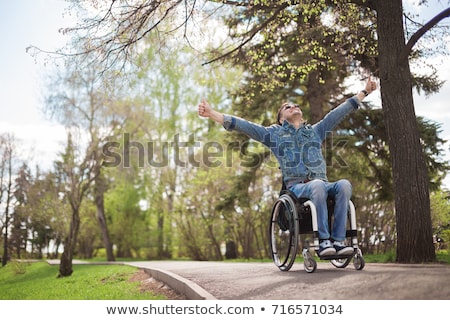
205, 110
368, 89
370, 85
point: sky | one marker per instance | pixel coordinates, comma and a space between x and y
24, 23
36, 22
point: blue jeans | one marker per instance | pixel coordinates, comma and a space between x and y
318, 191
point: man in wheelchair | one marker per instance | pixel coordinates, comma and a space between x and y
298, 149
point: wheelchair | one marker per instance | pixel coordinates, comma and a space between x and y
292, 217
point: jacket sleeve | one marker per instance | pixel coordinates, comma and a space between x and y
252, 130
335, 116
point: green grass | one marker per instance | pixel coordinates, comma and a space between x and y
443, 256
38, 281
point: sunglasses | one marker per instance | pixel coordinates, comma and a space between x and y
291, 106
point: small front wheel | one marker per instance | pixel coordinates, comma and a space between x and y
341, 263
358, 260
309, 262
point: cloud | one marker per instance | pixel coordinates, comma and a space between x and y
37, 144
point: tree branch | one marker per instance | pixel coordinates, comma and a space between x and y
419, 33
252, 35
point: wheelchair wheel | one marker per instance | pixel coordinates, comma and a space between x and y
341, 263
308, 261
358, 260
283, 233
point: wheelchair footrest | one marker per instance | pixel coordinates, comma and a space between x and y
336, 256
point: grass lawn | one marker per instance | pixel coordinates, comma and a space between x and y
38, 281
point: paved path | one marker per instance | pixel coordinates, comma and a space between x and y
263, 281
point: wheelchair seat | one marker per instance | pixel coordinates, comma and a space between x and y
304, 211
292, 217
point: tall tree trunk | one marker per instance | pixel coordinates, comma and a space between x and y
65, 266
315, 97
5, 240
99, 190
160, 245
412, 203
9, 193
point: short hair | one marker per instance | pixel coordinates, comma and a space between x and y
279, 111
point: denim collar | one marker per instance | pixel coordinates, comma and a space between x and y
289, 126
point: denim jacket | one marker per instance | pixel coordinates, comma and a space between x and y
298, 151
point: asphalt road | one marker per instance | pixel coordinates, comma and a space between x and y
264, 281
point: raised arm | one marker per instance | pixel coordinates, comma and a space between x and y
230, 123
335, 116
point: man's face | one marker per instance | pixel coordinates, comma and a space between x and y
290, 112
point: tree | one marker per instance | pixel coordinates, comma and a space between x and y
364, 134
411, 186
19, 230
129, 229
169, 83
366, 159
41, 214
440, 208
91, 110
77, 176
129, 24
7, 156
411, 194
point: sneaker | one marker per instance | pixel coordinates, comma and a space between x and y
342, 249
326, 249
